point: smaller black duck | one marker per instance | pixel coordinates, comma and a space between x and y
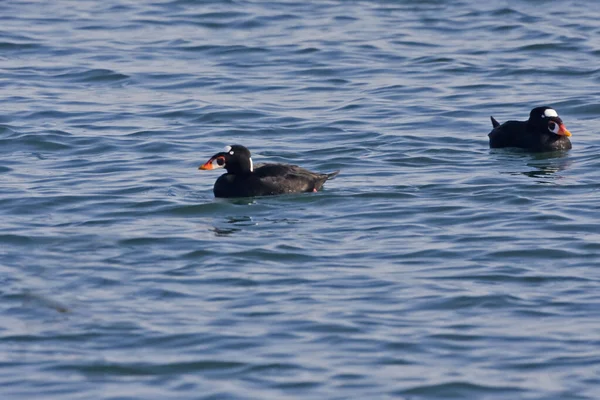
243, 180
544, 131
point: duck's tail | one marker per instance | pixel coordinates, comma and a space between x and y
332, 175
321, 179
495, 123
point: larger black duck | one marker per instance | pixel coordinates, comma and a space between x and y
243, 180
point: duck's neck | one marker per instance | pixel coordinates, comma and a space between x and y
241, 168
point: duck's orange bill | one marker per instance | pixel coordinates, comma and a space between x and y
213, 163
562, 130
207, 165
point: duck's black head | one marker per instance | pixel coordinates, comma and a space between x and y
546, 120
235, 159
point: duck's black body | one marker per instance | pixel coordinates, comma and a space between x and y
544, 131
242, 180
270, 179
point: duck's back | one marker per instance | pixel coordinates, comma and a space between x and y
510, 134
270, 179
292, 178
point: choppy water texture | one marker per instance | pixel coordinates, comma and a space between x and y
430, 268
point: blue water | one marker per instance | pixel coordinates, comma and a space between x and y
431, 268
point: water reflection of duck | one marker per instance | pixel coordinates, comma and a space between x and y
547, 165
542, 171
243, 180
544, 131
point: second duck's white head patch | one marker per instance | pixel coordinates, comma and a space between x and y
227, 149
549, 112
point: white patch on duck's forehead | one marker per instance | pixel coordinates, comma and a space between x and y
251, 165
550, 113
227, 149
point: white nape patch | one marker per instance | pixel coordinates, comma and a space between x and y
550, 113
227, 149
251, 165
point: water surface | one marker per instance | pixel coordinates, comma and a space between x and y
431, 268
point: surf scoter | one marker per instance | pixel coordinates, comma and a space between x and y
544, 131
243, 180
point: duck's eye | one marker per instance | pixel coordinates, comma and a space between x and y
553, 127
221, 161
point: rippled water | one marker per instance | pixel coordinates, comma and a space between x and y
431, 268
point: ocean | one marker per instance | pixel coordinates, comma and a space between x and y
431, 267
